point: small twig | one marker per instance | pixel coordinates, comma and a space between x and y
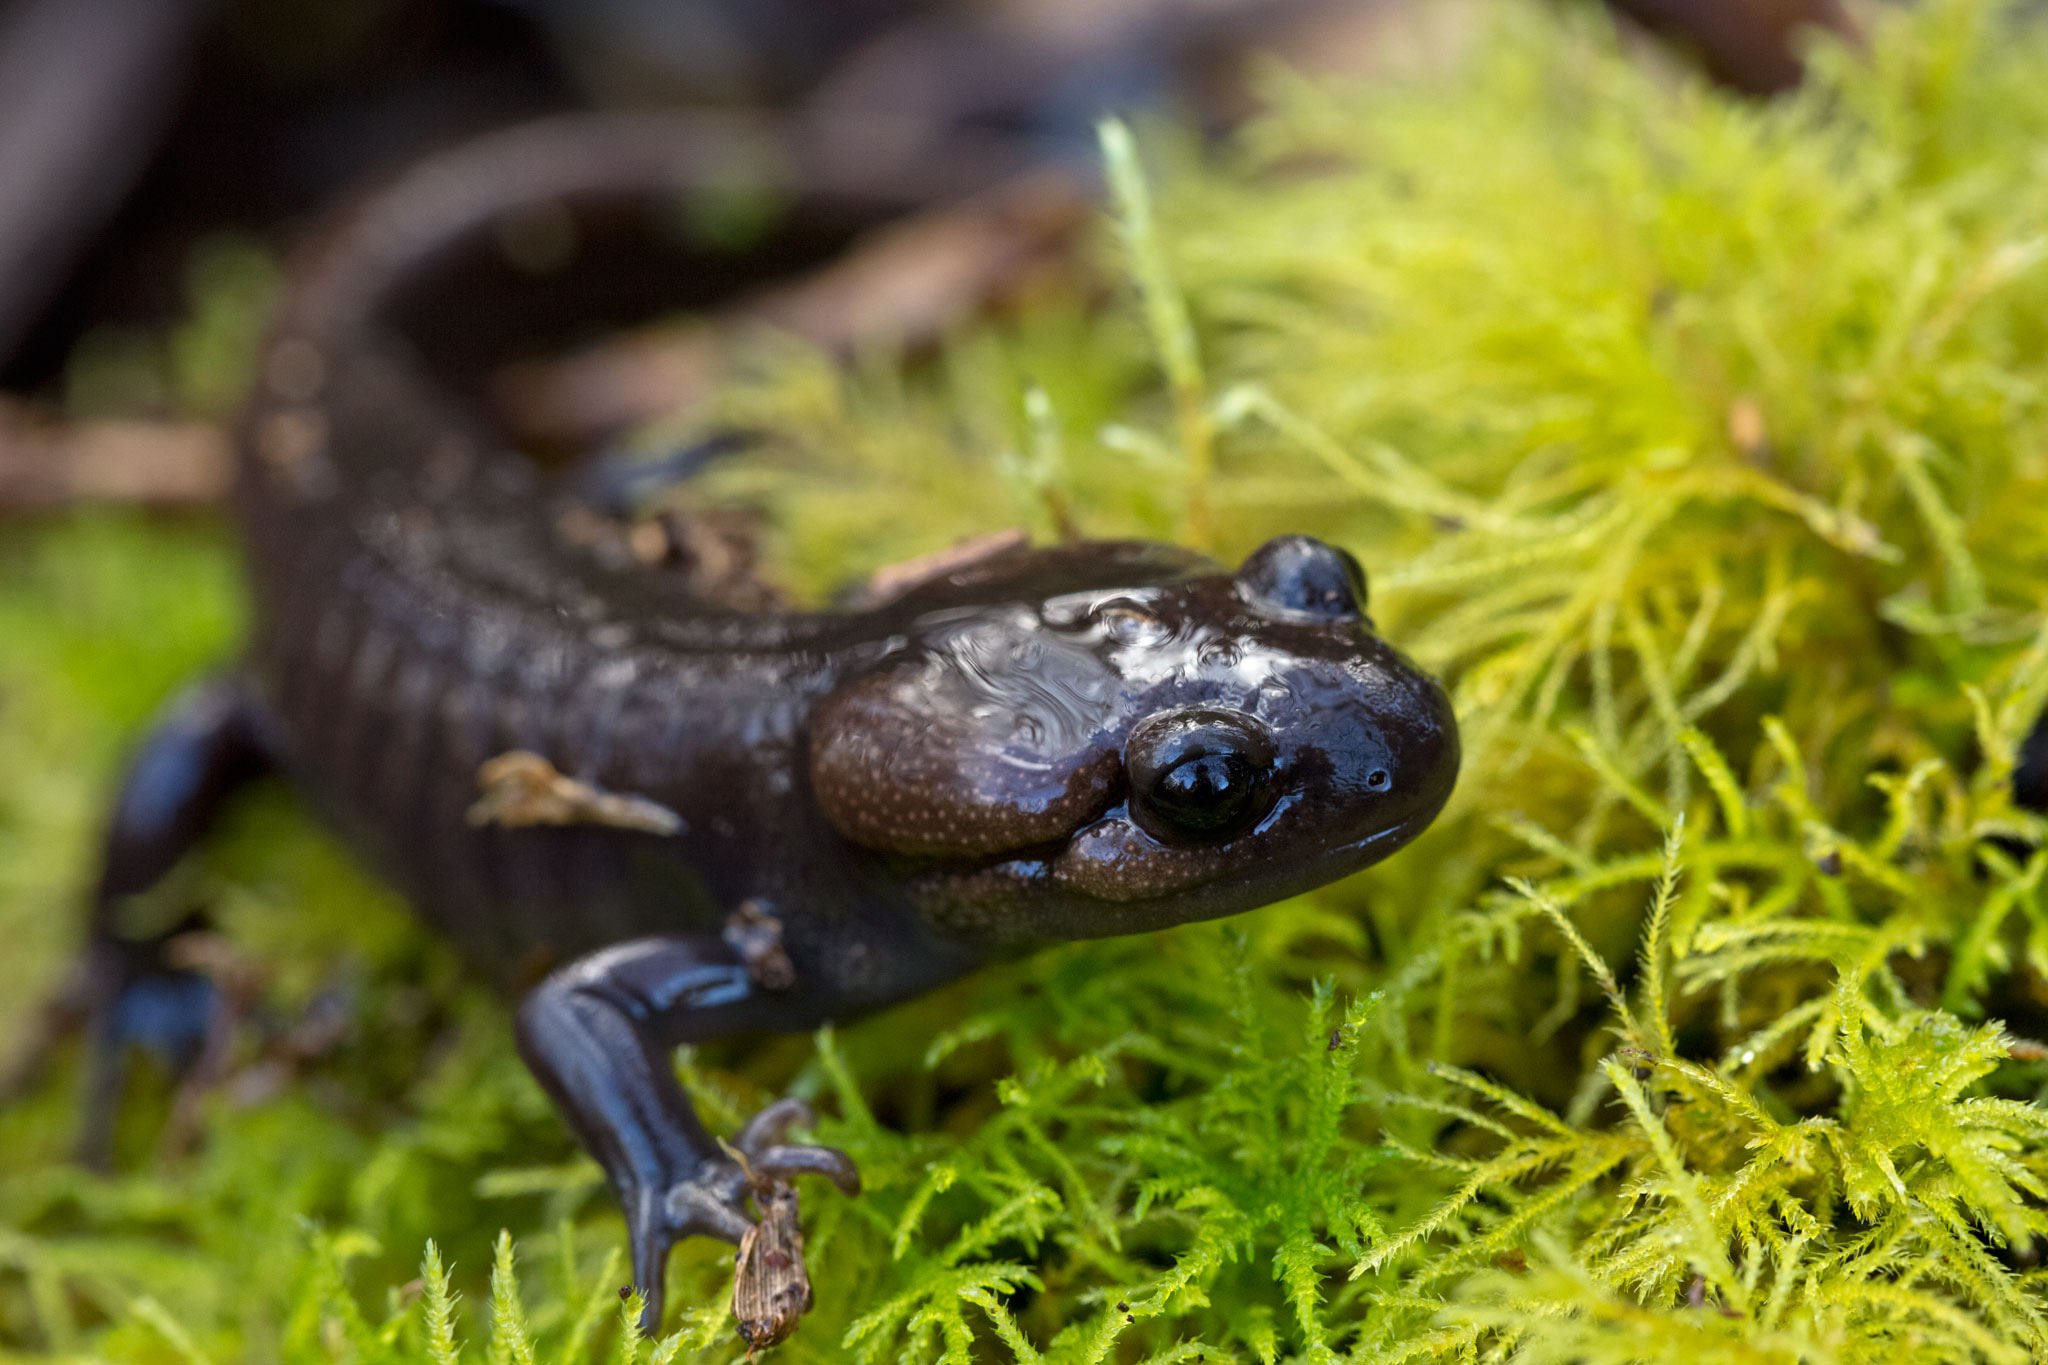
48, 462
907, 284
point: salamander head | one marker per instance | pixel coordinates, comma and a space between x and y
1118, 759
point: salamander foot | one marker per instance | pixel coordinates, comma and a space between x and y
713, 1201
138, 1001
598, 1035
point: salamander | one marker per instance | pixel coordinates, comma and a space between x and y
659, 819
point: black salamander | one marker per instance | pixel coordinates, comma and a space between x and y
696, 822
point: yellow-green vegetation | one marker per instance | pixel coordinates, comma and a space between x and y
1702, 446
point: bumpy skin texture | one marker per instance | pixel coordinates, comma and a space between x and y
1087, 740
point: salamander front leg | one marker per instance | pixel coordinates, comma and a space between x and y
128, 990
598, 1033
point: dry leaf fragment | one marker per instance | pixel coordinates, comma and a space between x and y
522, 788
771, 1290
755, 934
892, 581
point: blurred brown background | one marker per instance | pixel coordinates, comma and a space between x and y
134, 132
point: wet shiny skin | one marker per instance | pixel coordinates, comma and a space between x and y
1003, 738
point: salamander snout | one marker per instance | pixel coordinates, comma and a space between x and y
1421, 744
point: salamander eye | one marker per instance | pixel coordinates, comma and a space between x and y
1204, 796
1198, 774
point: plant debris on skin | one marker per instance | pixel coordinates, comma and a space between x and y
522, 788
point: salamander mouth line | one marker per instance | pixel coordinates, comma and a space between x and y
1042, 855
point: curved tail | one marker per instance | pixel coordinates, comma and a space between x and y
435, 206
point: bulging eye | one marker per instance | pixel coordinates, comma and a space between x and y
1206, 795
1303, 577
1198, 774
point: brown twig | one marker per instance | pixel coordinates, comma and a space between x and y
47, 462
905, 284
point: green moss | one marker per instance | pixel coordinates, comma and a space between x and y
1701, 445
